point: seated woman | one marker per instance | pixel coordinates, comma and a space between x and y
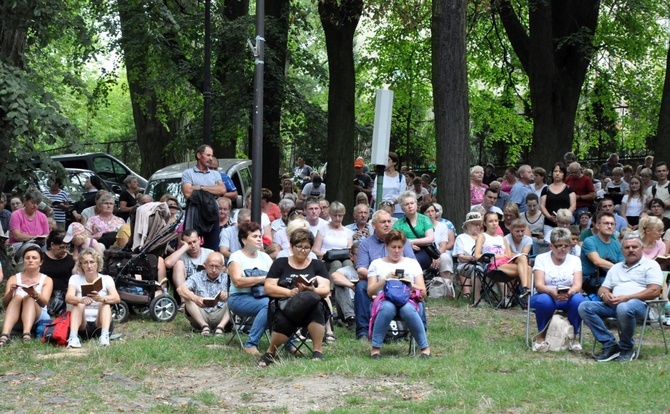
81, 239
558, 282
92, 314
489, 242
417, 228
284, 282
334, 236
26, 296
464, 248
444, 241
28, 223
378, 272
104, 226
58, 265
651, 230
247, 268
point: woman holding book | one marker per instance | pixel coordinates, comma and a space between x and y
298, 285
558, 283
91, 295
380, 270
26, 296
80, 238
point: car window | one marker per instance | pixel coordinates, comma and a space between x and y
245, 176
172, 186
108, 169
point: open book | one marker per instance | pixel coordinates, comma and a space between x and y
22, 286
516, 256
209, 302
302, 280
88, 288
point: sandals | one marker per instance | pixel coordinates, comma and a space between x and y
204, 331
376, 356
4, 338
575, 347
330, 338
218, 331
317, 356
266, 360
27, 337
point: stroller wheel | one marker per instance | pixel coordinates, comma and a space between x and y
163, 308
120, 312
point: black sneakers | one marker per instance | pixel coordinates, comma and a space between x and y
626, 356
608, 354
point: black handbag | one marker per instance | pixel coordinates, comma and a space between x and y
431, 250
299, 306
336, 254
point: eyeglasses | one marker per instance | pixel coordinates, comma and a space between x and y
562, 246
297, 213
302, 248
608, 224
89, 263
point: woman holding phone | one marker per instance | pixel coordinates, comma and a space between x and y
558, 282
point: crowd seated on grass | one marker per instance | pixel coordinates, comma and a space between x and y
579, 217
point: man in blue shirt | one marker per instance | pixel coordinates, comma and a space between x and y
231, 189
522, 188
601, 251
368, 250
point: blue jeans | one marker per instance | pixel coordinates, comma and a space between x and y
246, 304
408, 313
362, 304
627, 314
545, 306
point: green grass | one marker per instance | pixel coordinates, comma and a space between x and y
480, 364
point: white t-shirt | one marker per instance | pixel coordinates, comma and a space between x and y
281, 238
555, 275
391, 189
309, 190
262, 262
191, 263
464, 244
634, 206
335, 239
319, 226
525, 241
91, 312
381, 269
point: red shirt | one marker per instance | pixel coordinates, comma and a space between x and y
582, 186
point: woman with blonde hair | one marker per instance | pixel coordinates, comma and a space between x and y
651, 230
477, 186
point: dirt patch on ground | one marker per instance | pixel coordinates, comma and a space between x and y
315, 393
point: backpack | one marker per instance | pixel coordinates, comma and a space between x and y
58, 331
396, 292
559, 333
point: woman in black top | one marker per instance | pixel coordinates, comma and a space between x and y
556, 196
302, 276
58, 264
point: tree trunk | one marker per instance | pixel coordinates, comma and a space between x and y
152, 136
450, 96
661, 146
277, 12
555, 56
339, 20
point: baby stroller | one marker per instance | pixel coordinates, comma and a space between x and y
134, 268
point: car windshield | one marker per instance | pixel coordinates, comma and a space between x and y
73, 185
159, 187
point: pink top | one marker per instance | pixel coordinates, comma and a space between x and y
273, 211
657, 249
477, 194
37, 226
506, 187
97, 226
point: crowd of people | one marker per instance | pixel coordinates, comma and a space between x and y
302, 268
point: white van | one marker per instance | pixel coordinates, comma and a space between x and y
168, 180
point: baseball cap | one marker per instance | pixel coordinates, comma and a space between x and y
73, 230
359, 163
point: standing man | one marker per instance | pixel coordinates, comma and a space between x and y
368, 250
599, 253
626, 287
362, 181
201, 185
607, 169
128, 199
231, 189
660, 190
583, 186
522, 187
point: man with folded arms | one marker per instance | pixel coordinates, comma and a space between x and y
211, 283
627, 285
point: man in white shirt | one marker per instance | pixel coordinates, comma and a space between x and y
185, 260
627, 285
312, 215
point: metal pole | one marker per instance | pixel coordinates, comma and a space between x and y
257, 141
207, 77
